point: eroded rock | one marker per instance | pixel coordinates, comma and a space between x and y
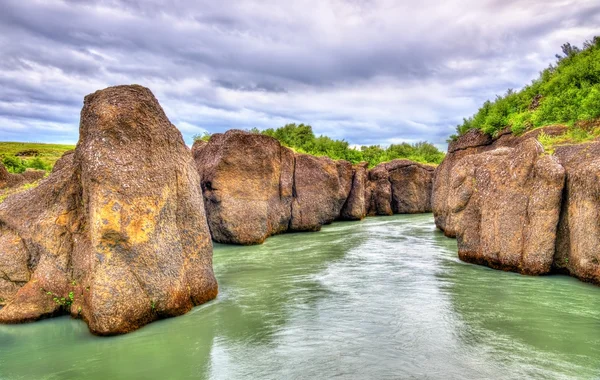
502, 202
399, 187
247, 182
355, 207
254, 188
578, 238
116, 235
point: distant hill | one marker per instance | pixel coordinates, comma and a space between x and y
18, 156
567, 93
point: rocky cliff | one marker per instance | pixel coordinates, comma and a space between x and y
512, 206
117, 234
254, 187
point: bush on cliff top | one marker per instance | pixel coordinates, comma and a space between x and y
302, 139
567, 92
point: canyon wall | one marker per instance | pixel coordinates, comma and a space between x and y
117, 234
254, 188
514, 207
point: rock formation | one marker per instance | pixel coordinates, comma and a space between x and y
578, 238
400, 187
116, 235
10, 180
247, 181
355, 207
254, 188
503, 199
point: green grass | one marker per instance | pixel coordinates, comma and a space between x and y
567, 92
18, 156
302, 139
573, 135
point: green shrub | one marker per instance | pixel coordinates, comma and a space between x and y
564, 93
14, 164
37, 163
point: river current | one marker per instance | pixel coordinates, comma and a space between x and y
384, 298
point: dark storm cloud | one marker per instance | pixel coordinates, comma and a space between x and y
372, 72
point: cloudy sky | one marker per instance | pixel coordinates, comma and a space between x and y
368, 71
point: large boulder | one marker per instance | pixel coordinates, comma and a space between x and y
321, 187
116, 235
411, 186
578, 238
504, 206
247, 181
399, 187
379, 192
254, 187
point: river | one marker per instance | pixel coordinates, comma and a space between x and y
384, 298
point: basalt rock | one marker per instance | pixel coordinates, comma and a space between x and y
116, 235
254, 188
10, 180
247, 181
578, 237
399, 187
501, 198
355, 207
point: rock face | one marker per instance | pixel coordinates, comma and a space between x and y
116, 235
321, 187
9, 180
247, 181
502, 199
254, 188
400, 187
578, 239
356, 205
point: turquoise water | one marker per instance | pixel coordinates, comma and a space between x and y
385, 298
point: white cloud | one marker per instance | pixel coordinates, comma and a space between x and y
368, 71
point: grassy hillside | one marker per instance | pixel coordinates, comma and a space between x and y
17, 156
567, 93
302, 139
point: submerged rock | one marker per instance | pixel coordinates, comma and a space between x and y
116, 235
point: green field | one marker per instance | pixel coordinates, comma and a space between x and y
18, 156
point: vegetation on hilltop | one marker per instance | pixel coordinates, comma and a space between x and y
302, 139
18, 156
567, 92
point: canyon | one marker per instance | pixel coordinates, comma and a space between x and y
120, 233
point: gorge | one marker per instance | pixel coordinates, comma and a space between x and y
119, 234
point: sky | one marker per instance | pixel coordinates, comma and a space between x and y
367, 71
